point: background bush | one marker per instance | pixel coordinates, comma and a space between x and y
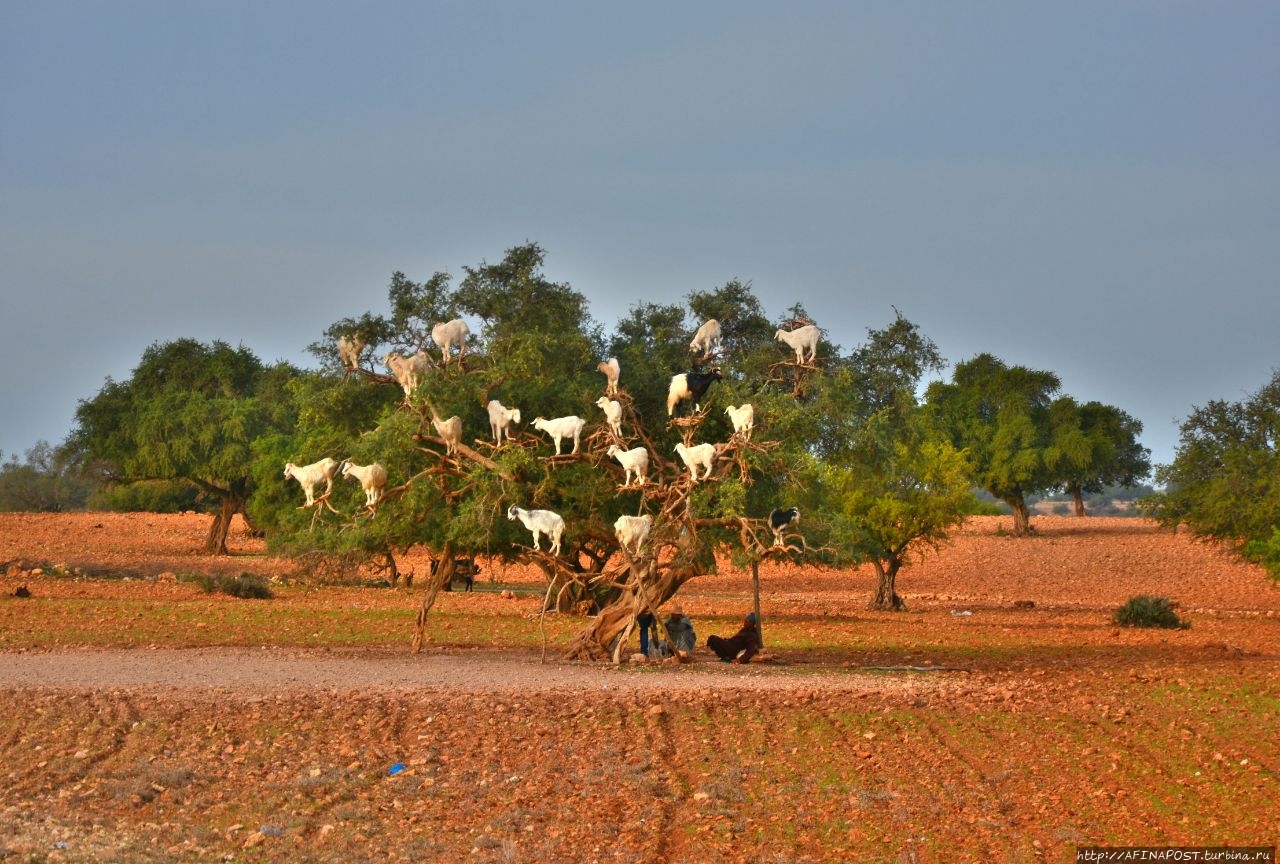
1147, 611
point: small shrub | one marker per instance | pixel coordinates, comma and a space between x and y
1147, 611
246, 585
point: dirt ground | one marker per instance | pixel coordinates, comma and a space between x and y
1044, 727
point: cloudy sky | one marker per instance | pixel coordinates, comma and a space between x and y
1090, 188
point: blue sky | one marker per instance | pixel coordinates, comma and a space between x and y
1089, 188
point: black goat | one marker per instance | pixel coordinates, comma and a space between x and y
780, 519
692, 386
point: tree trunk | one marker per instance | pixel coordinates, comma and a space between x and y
1021, 516
886, 586
566, 598
442, 577
596, 640
1078, 497
755, 596
216, 542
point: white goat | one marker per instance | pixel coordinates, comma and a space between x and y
373, 479
349, 348
446, 334
707, 339
612, 409
561, 427
451, 431
309, 476
611, 371
632, 531
801, 339
633, 461
699, 455
408, 371
500, 418
540, 522
743, 418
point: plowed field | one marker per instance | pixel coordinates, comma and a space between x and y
1002, 717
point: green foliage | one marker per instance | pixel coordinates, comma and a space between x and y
189, 412
1224, 481
47, 481
1265, 551
147, 496
1002, 416
246, 585
1094, 446
1146, 610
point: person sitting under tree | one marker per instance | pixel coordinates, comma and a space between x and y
680, 633
741, 646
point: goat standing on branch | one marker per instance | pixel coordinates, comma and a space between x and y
707, 339
310, 476
561, 427
743, 418
698, 456
540, 522
633, 461
373, 479
446, 334
780, 519
632, 531
612, 409
500, 418
408, 371
802, 339
692, 386
451, 431
611, 371
349, 348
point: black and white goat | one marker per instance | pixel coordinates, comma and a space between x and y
780, 519
692, 386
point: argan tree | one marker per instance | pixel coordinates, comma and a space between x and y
1000, 415
1094, 446
892, 484
536, 348
191, 412
1224, 481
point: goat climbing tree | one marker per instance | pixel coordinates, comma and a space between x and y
536, 349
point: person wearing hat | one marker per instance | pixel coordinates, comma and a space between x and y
741, 646
680, 633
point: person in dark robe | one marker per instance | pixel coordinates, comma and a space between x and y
739, 647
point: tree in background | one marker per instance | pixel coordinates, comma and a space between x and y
1224, 481
189, 412
1094, 446
1001, 416
891, 484
47, 481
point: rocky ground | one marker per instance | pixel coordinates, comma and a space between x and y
1043, 726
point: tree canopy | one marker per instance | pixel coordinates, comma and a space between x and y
844, 439
880, 477
1224, 481
189, 412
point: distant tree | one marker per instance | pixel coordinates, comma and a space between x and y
1224, 481
1094, 446
891, 484
1000, 414
190, 412
46, 481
